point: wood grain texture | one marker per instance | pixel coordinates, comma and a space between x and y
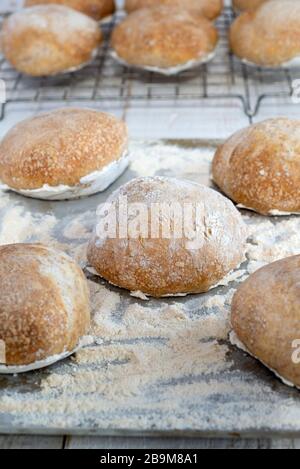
74, 442
179, 443
31, 442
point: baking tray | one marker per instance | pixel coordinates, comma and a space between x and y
162, 367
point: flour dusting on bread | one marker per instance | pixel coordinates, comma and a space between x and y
49, 39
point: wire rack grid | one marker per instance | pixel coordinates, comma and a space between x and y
225, 78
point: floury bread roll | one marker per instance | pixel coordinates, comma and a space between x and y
268, 36
64, 154
265, 318
96, 9
208, 8
164, 39
174, 238
259, 167
44, 307
242, 5
49, 39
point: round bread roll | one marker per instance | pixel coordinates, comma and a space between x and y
158, 252
208, 8
49, 39
64, 154
44, 307
242, 5
268, 36
265, 318
96, 9
259, 167
164, 39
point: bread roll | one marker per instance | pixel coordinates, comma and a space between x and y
49, 39
44, 306
96, 9
242, 5
259, 167
64, 154
268, 36
265, 317
157, 252
208, 8
164, 39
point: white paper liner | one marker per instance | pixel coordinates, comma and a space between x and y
278, 213
234, 340
293, 63
139, 295
237, 11
97, 181
167, 71
271, 213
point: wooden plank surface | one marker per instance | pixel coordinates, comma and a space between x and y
70, 442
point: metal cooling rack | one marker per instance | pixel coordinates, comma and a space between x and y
225, 78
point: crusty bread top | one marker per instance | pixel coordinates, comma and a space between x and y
97, 9
160, 265
60, 147
243, 5
269, 35
209, 8
57, 19
265, 316
44, 305
259, 167
163, 37
49, 39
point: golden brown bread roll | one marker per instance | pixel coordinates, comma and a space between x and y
164, 39
97, 9
64, 154
44, 306
268, 36
265, 317
193, 256
49, 39
208, 8
259, 167
242, 5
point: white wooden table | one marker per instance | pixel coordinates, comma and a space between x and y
185, 123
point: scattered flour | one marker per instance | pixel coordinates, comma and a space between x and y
162, 364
